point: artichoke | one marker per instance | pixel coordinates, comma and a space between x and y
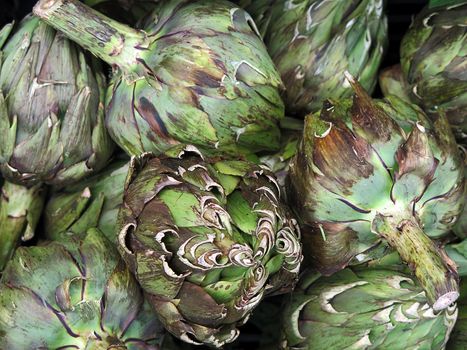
20, 210
460, 229
458, 253
51, 108
206, 239
392, 82
369, 174
433, 59
313, 42
458, 338
93, 202
85, 299
278, 162
197, 73
364, 309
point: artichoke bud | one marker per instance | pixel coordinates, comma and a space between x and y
433, 59
93, 202
88, 300
369, 308
51, 108
20, 211
174, 82
313, 42
207, 238
374, 173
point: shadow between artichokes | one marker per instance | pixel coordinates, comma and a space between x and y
371, 174
207, 239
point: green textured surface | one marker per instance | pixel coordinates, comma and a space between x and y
207, 239
74, 294
364, 309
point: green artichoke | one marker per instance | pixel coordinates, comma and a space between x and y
278, 162
74, 295
206, 239
197, 73
392, 82
20, 210
458, 338
364, 309
433, 59
313, 42
93, 202
458, 253
51, 108
369, 174
460, 229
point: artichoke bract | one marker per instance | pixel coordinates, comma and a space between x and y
196, 73
433, 60
20, 211
130, 11
313, 42
392, 82
369, 174
458, 253
206, 239
364, 309
74, 294
93, 202
458, 338
278, 162
51, 107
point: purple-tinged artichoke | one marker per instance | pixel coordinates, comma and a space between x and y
197, 72
51, 108
93, 202
365, 309
313, 42
74, 294
433, 60
207, 239
371, 174
127, 11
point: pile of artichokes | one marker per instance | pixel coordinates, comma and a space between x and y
181, 174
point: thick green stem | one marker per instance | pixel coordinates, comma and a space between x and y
113, 42
20, 210
431, 265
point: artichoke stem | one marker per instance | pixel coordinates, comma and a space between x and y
20, 210
431, 265
111, 41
